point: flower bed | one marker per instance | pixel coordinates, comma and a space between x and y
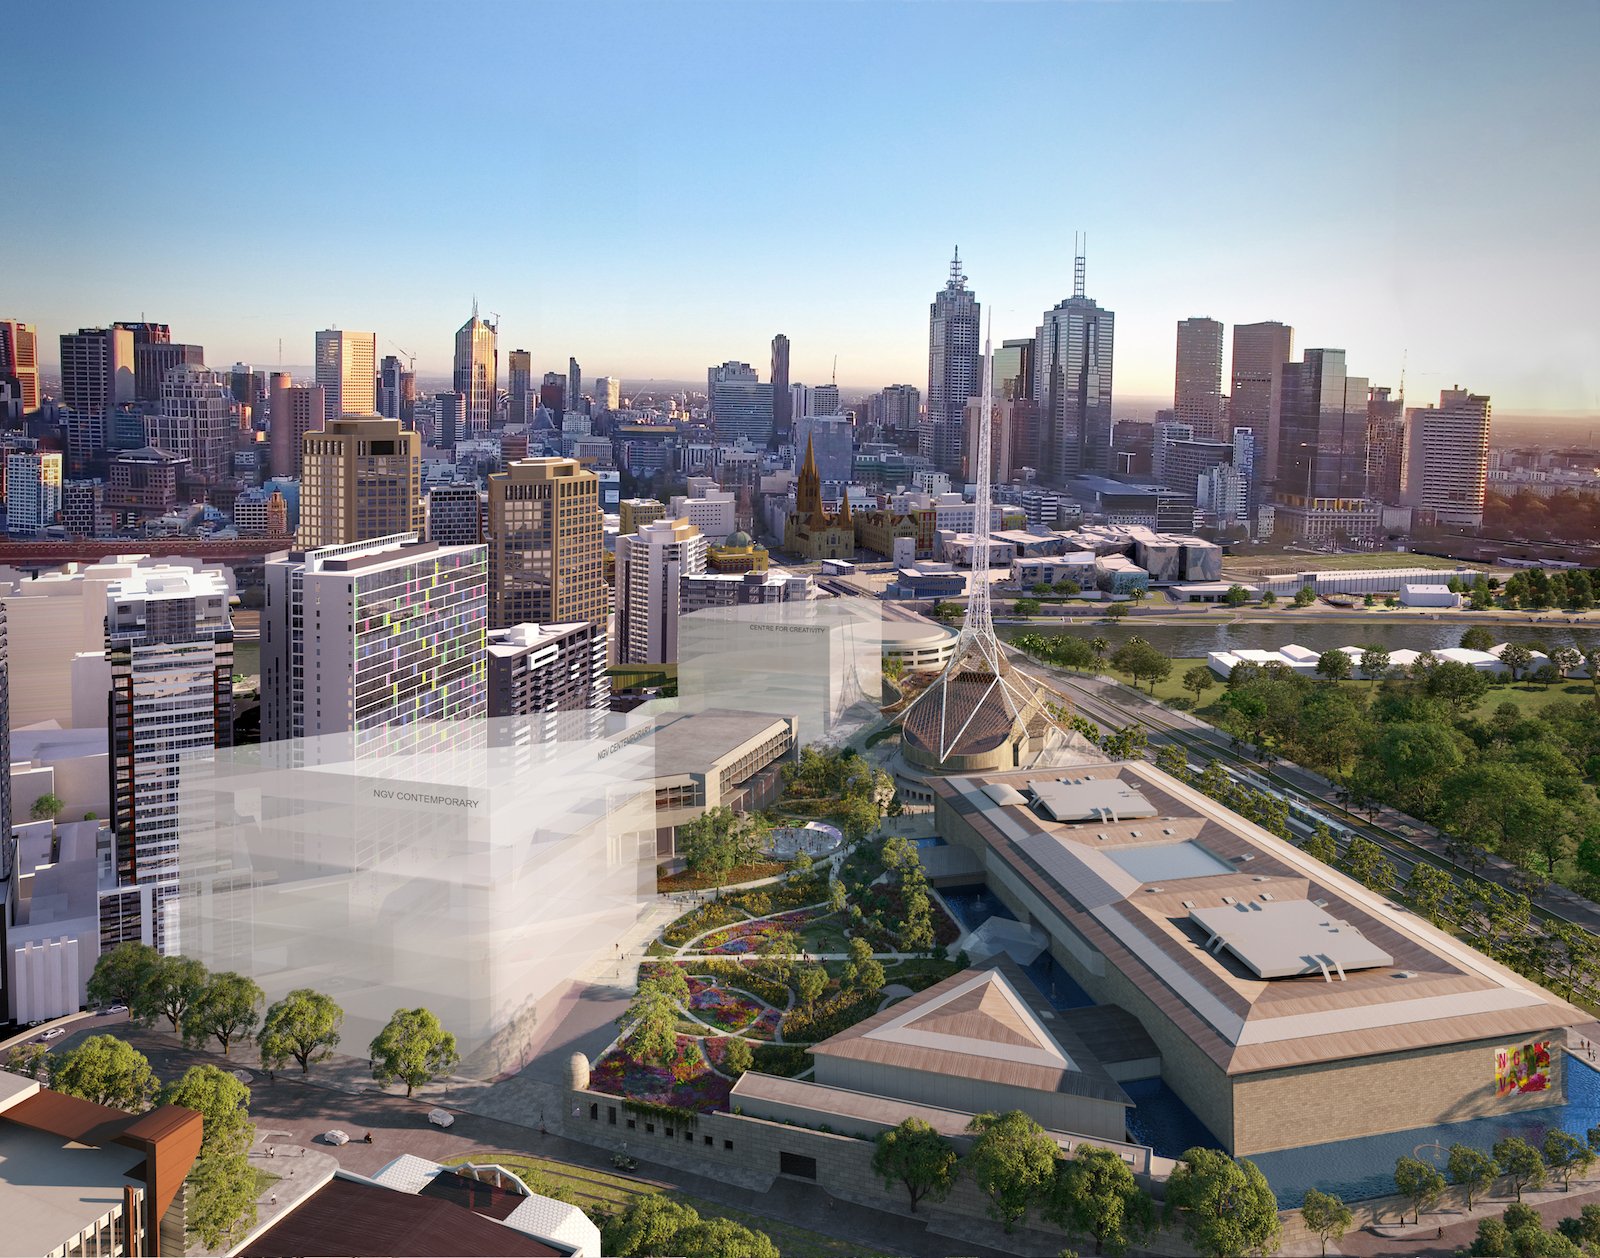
746, 976
746, 937
765, 1027
723, 1009
692, 923
688, 1083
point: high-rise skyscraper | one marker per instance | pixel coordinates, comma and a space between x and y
955, 369
741, 406
386, 631
455, 514
900, 407
193, 420
1197, 379
33, 490
1386, 445
19, 360
1072, 364
449, 419
519, 384
1255, 390
97, 376
153, 359
5, 744
1013, 369
397, 391
169, 642
293, 411
1447, 457
574, 383
545, 544
607, 393
782, 412
1322, 439
477, 372
650, 564
347, 370
361, 478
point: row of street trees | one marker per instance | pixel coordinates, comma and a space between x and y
1223, 1205
303, 1028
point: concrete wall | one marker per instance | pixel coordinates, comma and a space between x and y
1284, 1109
1057, 1111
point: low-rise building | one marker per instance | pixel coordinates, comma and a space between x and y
700, 590
716, 758
535, 670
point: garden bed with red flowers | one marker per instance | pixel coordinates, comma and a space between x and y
688, 1083
723, 1008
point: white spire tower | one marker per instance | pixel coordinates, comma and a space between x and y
979, 700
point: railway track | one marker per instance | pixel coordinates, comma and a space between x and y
1401, 851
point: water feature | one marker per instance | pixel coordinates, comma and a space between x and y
1161, 1120
1357, 1169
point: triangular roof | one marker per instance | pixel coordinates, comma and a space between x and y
984, 1024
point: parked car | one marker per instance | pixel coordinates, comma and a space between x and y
624, 1163
54, 1032
441, 1118
336, 1137
115, 1009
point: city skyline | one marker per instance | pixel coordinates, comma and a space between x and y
1396, 266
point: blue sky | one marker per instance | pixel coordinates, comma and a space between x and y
657, 187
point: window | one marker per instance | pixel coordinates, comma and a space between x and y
798, 1165
594, 1113
727, 1145
611, 1115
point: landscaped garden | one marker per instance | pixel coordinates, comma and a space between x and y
752, 979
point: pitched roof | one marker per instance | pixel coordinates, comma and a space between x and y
987, 1023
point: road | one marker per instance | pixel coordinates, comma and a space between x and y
292, 1112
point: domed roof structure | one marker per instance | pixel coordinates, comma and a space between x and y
738, 539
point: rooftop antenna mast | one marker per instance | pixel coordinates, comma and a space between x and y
957, 279
1079, 247
836, 371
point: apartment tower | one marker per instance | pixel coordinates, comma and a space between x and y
1447, 458
650, 565
545, 545
361, 478
19, 360
1255, 387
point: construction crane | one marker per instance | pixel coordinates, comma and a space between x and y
412, 358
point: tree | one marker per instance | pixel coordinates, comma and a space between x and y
1566, 659
302, 1027
413, 1048
1198, 680
1173, 760
1236, 596
1305, 596
1520, 1163
1517, 658
1269, 599
723, 1238
1013, 1163
224, 1009
121, 974
1428, 888
1326, 1215
47, 808
1094, 1194
1471, 1170
222, 1101
1125, 743
1116, 611
1333, 665
710, 844
918, 1158
1375, 661
1141, 661
1322, 845
810, 981
1226, 1206
1492, 1241
31, 1060
738, 1058
1419, 1183
1477, 638
224, 1201
107, 1071
651, 1024
171, 986
1099, 646
1026, 607
1566, 1155
655, 1224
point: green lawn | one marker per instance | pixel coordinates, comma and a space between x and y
592, 1191
825, 935
1295, 561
